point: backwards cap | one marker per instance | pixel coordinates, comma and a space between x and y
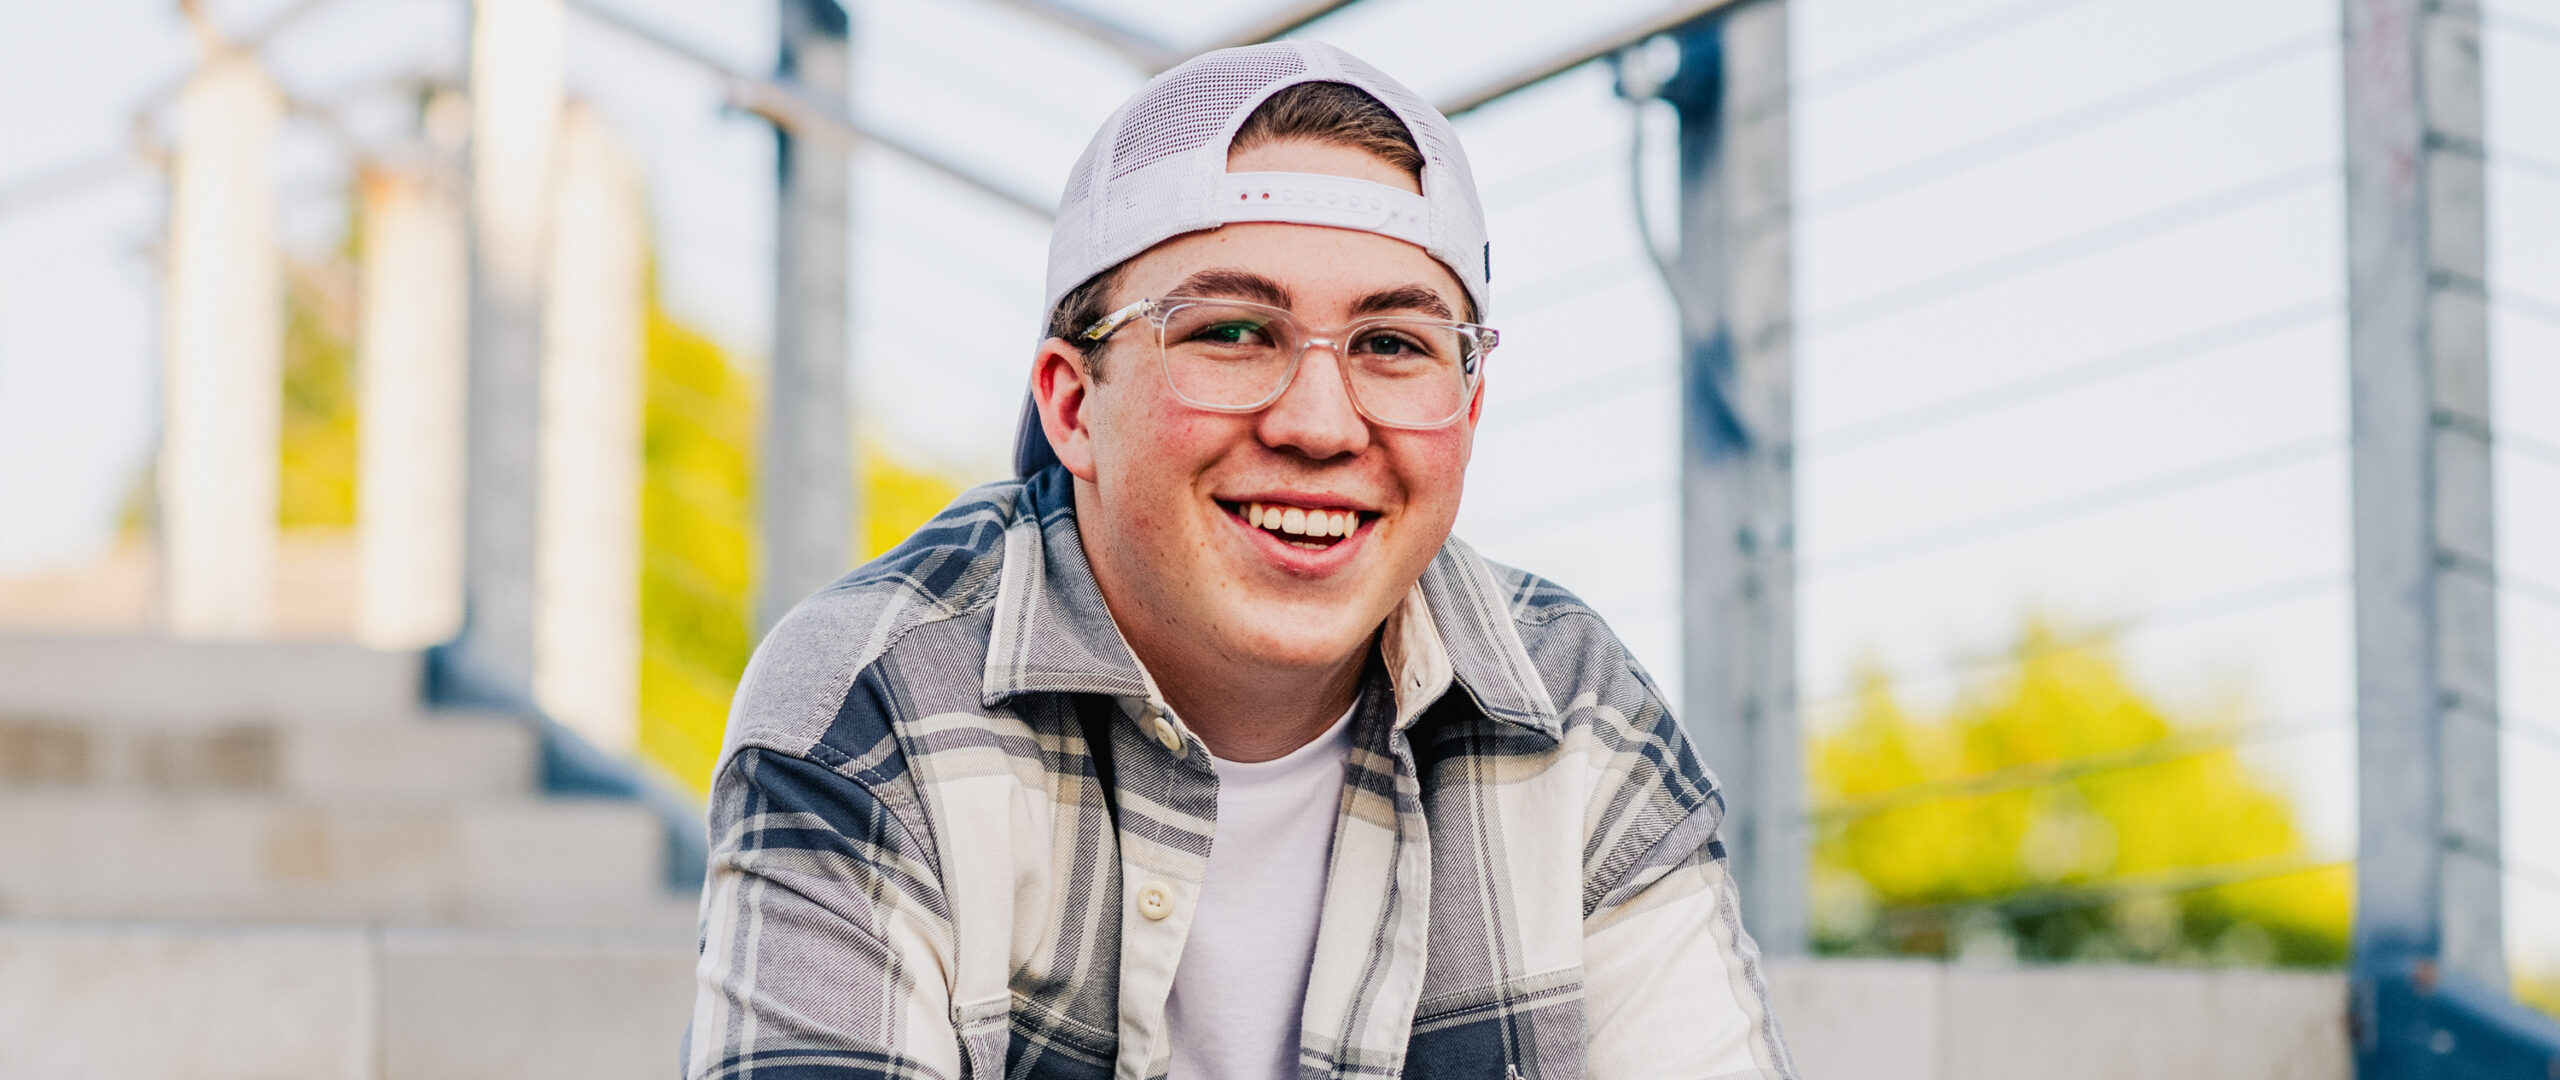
1158, 169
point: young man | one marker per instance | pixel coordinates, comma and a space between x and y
1204, 750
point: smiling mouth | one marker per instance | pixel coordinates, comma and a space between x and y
1299, 527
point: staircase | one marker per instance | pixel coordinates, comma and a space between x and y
269, 861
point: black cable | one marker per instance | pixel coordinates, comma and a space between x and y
2253, 597
2074, 376
2098, 241
2014, 141
2174, 747
2220, 470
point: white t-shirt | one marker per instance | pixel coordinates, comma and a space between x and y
1234, 1010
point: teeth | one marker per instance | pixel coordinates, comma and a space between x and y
1299, 521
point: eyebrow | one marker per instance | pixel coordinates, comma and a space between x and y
1234, 285
1412, 298
1247, 285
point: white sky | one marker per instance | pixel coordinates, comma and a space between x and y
1966, 173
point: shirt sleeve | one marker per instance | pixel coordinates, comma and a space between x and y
825, 939
1673, 984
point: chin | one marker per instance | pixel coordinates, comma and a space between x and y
1310, 643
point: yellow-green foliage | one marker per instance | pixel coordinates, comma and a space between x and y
316, 440
317, 444
2540, 989
1992, 824
697, 522
698, 531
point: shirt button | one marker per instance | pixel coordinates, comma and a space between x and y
1155, 901
1165, 734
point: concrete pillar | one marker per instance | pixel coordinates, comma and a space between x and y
587, 617
515, 109
1734, 273
805, 490
224, 342
411, 356
2427, 872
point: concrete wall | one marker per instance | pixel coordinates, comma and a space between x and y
1904, 1020
133, 1003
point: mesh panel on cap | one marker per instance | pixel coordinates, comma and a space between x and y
1192, 106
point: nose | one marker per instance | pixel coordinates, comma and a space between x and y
1314, 416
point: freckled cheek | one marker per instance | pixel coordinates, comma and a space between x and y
1431, 466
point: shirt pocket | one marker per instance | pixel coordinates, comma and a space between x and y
1529, 1027
983, 1031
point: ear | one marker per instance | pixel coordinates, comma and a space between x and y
1475, 405
1061, 388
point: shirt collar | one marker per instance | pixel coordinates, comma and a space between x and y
1052, 633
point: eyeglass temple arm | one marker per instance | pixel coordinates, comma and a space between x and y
1114, 321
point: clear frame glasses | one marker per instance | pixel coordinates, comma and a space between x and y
1236, 356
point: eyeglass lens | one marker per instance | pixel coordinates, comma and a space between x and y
1414, 372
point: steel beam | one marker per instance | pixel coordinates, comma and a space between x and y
2426, 635
806, 490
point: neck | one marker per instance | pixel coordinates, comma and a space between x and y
1249, 712
1245, 708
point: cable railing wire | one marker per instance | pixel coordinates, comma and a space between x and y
2007, 144
2528, 305
2250, 598
2105, 891
2218, 471
2523, 26
2515, 584
2524, 165
2527, 445
1957, 282
1926, 45
1581, 395
2075, 376
2176, 746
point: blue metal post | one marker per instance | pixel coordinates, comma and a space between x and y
2431, 994
806, 487
1732, 278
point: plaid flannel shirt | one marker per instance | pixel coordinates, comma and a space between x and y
947, 776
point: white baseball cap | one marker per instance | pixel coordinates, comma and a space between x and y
1158, 169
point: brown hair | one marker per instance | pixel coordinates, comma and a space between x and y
1324, 112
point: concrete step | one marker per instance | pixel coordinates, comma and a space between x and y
90, 1000
162, 681
1920, 1020
458, 757
221, 857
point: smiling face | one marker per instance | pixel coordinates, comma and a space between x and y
1267, 542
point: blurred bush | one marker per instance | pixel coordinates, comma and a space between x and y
698, 538
2056, 812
